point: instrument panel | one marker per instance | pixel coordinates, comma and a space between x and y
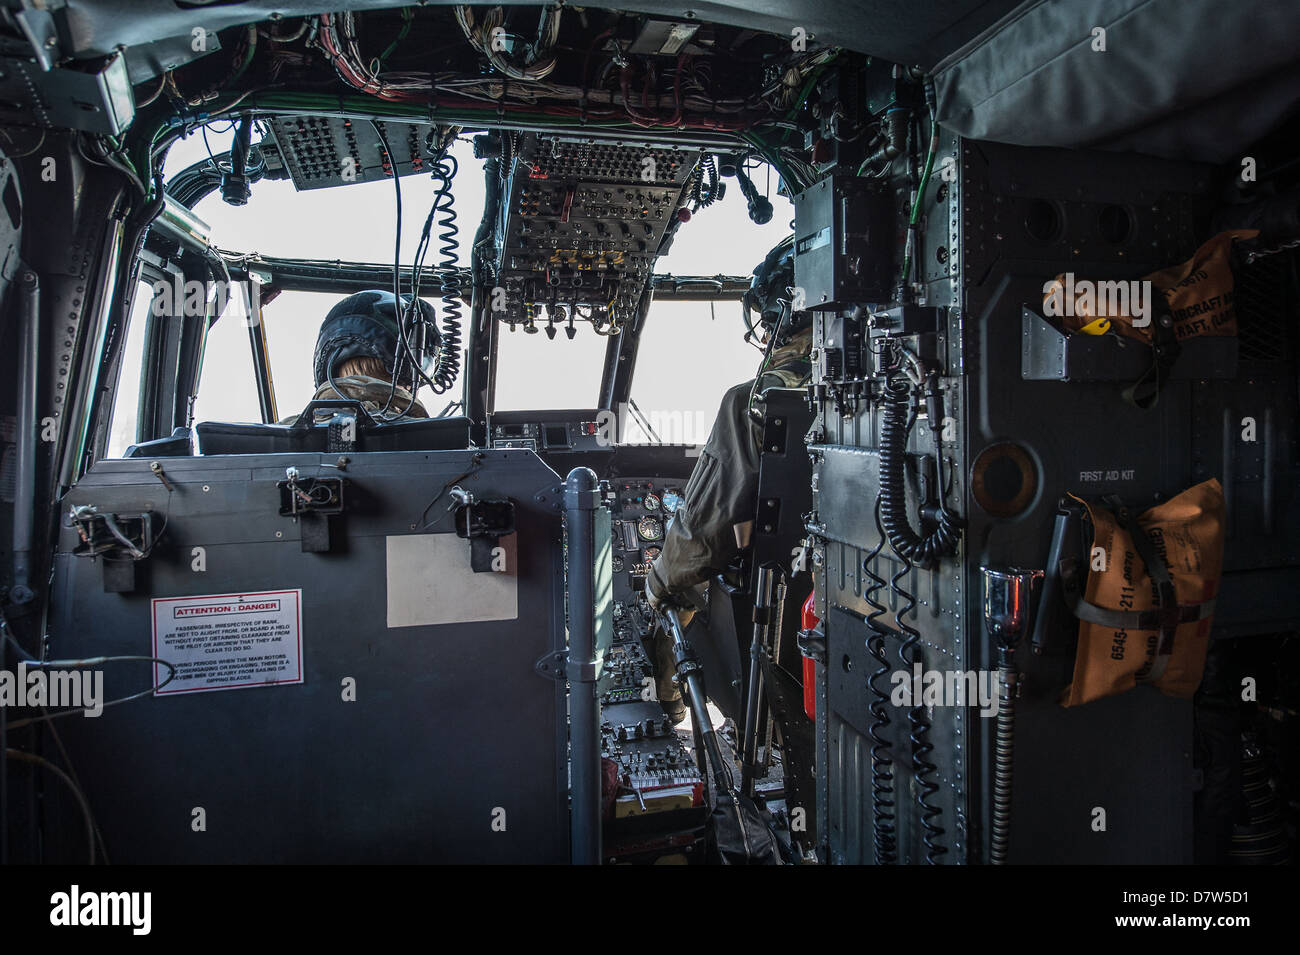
660, 808
642, 513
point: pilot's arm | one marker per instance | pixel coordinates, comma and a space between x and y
717, 515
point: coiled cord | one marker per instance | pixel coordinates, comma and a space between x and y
706, 194
447, 369
884, 835
919, 726
911, 546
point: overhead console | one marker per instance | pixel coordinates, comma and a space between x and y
581, 223
322, 151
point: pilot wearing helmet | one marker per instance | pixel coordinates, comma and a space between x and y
360, 354
715, 521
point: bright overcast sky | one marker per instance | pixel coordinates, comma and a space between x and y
690, 354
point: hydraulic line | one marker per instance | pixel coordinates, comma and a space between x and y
919, 735
884, 834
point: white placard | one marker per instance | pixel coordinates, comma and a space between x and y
228, 641
431, 582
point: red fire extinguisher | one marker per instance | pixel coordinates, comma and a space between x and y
809, 622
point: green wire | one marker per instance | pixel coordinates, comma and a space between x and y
920, 193
760, 145
409, 17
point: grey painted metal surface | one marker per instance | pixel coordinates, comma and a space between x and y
1007, 220
581, 500
452, 728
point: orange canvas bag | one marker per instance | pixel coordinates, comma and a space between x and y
1148, 603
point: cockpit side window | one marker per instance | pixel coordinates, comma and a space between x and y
227, 384
292, 321
124, 430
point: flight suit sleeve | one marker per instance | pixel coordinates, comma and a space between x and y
720, 494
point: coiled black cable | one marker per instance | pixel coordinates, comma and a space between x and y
919, 726
447, 364
884, 835
894, 427
447, 369
706, 194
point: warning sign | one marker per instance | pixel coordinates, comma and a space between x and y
228, 641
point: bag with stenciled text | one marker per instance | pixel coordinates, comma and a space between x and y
1147, 605
1197, 295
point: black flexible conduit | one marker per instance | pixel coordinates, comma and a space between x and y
884, 835
1004, 742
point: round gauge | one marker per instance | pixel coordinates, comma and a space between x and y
650, 529
651, 553
618, 563
672, 500
652, 502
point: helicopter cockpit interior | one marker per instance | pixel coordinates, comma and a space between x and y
409, 620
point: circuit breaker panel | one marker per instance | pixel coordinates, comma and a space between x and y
582, 223
948, 429
323, 151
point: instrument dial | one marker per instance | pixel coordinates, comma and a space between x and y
672, 500
652, 502
650, 529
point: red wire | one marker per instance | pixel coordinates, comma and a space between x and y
645, 120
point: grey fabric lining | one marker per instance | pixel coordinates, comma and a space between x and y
1182, 79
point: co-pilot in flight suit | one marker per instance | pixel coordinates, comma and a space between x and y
366, 326
373, 393
716, 519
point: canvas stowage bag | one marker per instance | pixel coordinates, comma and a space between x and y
1197, 293
1148, 601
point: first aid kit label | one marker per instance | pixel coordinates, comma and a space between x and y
227, 641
